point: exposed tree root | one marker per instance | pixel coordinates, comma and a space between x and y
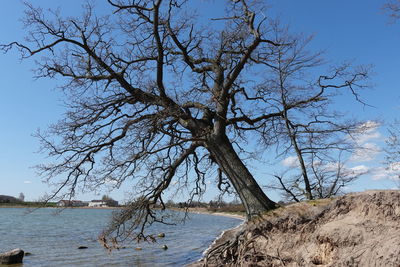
355, 230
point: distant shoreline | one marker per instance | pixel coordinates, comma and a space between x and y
205, 211
56, 207
190, 210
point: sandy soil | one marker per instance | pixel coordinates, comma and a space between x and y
205, 211
361, 229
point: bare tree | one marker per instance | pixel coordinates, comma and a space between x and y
156, 95
328, 178
21, 197
333, 177
311, 131
393, 8
392, 151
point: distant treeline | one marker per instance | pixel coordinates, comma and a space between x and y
10, 201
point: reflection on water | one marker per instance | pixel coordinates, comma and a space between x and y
53, 239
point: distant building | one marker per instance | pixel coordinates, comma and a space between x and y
103, 203
97, 203
71, 203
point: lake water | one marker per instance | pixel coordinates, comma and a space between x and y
53, 239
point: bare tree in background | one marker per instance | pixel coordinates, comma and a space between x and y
21, 197
160, 97
393, 8
392, 151
312, 131
328, 178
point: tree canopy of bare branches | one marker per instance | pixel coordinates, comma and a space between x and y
159, 97
317, 135
393, 8
392, 151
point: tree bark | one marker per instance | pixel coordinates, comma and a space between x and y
252, 196
304, 173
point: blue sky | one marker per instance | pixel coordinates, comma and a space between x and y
347, 30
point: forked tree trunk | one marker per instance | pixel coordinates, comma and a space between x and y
252, 196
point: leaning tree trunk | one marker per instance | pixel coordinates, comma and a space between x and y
252, 196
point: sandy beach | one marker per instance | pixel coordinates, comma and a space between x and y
205, 211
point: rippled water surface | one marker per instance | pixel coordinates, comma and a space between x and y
53, 239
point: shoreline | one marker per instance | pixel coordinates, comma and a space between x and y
204, 211
189, 210
41, 207
207, 212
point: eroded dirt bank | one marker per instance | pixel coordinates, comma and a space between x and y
361, 229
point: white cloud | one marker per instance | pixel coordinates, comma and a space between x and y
347, 189
367, 152
345, 171
368, 131
394, 167
360, 169
391, 172
27, 182
368, 134
111, 181
290, 161
379, 174
317, 163
330, 166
